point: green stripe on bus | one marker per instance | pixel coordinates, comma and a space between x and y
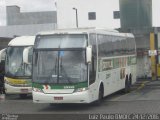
36, 85
62, 86
81, 85
70, 86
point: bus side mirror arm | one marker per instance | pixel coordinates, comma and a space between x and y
89, 54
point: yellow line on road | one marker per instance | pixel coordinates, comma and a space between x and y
142, 85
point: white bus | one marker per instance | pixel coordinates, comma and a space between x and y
82, 65
17, 72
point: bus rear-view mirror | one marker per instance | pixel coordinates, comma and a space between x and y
2, 54
26, 55
89, 54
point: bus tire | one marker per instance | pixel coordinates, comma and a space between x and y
127, 85
23, 96
100, 94
130, 82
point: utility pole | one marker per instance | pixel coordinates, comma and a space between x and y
76, 16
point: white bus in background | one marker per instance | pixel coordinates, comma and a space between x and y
82, 65
17, 72
2, 71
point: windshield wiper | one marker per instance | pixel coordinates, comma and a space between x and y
65, 74
51, 75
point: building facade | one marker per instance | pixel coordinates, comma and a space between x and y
90, 13
136, 17
135, 14
15, 17
27, 23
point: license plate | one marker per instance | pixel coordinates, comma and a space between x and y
24, 90
58, 98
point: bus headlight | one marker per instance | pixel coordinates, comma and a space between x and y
37, 90
80, 89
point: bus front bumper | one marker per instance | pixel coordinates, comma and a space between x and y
77, 97
17, 90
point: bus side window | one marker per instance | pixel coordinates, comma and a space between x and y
36, 58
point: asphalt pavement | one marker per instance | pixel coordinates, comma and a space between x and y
144, 98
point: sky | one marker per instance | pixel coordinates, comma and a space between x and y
49, 5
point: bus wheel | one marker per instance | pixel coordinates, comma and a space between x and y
130, 82
127, 85
23, 96
101, 94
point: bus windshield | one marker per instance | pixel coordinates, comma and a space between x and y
58, 67
61, 41
14, 63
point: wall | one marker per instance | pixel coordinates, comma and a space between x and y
20, 30
66, 16
15, 17
27, 23
136, 13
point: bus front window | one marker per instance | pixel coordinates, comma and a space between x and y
14, 63
59, 67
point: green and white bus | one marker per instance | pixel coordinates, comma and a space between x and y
82, 65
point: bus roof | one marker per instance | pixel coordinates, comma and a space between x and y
22, 41
86, 31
